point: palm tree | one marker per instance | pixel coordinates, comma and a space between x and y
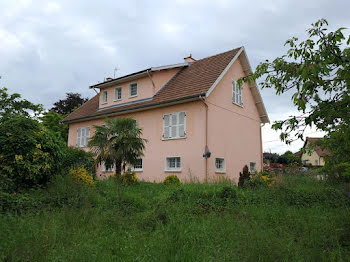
118, 142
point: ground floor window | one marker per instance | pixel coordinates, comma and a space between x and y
252, 166
138, 166
106, 168
220, 165
173, 164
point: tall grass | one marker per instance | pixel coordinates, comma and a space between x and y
299, 219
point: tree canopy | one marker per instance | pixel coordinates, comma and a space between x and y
118, 143
67, 105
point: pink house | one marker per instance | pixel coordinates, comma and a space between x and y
198, 123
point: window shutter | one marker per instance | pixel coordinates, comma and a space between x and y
233, 91
182, 124
78, 137
174, 119
87, 135
166, 127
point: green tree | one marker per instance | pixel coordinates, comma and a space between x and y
13, 104
30, 154
52, 121
317, 72
118, 143
69, 104
291, 158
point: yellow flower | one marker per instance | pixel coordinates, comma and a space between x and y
38, 146
18, 157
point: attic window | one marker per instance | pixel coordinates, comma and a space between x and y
236, 93
133, 90
104, 97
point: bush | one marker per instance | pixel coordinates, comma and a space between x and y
75, 158
30, 155
260, 180
128, 178
243, 177
81, 175
172, 180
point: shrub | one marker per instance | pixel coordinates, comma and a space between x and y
172, 180
243, 177
74, 158
260, 179
30, 155
80, 174
128, 178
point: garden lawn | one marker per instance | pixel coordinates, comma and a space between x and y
298, 219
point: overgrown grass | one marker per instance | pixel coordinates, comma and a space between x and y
299, 219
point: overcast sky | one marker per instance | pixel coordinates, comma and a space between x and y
48, 48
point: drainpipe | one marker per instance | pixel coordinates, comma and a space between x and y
150, 77
261, 149
206, 149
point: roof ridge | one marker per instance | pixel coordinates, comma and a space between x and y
234, 49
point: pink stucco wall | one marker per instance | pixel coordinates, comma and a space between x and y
145, 88
233, 133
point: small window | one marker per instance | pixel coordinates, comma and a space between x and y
106, 168
138, 166
118, 93
104, 97
252, 166
174, 125
236, 93
83, 135
173, 164
220, 165
133, 90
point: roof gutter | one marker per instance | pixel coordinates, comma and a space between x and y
139, 108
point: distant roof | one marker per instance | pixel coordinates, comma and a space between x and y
193, 80
318, 149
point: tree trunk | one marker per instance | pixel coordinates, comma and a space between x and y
118, 168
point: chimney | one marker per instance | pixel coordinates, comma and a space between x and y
189, 59
109, 78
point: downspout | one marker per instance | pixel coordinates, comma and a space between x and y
154, 86
261, 150
206, 137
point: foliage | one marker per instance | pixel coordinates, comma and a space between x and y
30, 154
298, 219
52, 121
260, 179
75, 158
67, 105
118, 142
243, 177
172, 180
128, 178
289, 158
81, 175
13, 104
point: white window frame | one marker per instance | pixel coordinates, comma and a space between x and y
132, 85
171, 136
223, 169
104, 168
103, 100
138, 169
173, 169
116, 94
82, 141
237, 94
250, 167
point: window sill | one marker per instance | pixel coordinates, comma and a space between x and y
137, 170
220, 172
116, 100
104, 103
241, 106
174, 138
132, 96
172, 171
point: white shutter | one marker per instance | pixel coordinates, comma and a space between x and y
174, 119
166, 127
78, 137
234, 91
87, 136
182, 124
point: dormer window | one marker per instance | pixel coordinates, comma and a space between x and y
104, 97
133, 90
117, 94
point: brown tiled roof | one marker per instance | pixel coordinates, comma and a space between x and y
318, 149
190, 82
